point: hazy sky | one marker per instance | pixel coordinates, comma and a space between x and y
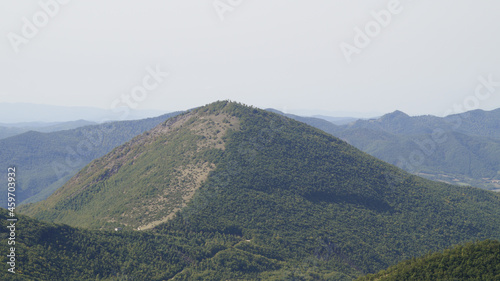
324, 56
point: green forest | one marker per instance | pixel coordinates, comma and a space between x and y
470, 261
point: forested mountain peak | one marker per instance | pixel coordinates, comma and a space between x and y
303, 203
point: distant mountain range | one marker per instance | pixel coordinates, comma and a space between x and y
231, 192
459, 149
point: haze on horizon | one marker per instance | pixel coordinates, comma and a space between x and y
422, 57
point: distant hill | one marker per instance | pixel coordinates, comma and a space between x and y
472, 261
458, 149
9, 130
268, 197
45, 161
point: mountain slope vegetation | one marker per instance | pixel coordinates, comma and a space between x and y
47, 160
471, 261
46, 251
302, 203
142, 183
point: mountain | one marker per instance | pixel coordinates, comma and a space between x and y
45, 161
297, 202
9, 130
472, 261
458, 149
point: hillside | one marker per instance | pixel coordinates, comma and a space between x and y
47, 252
304, 203
144, 182
47, 160
472, 261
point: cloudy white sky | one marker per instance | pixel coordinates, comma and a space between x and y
282, 54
